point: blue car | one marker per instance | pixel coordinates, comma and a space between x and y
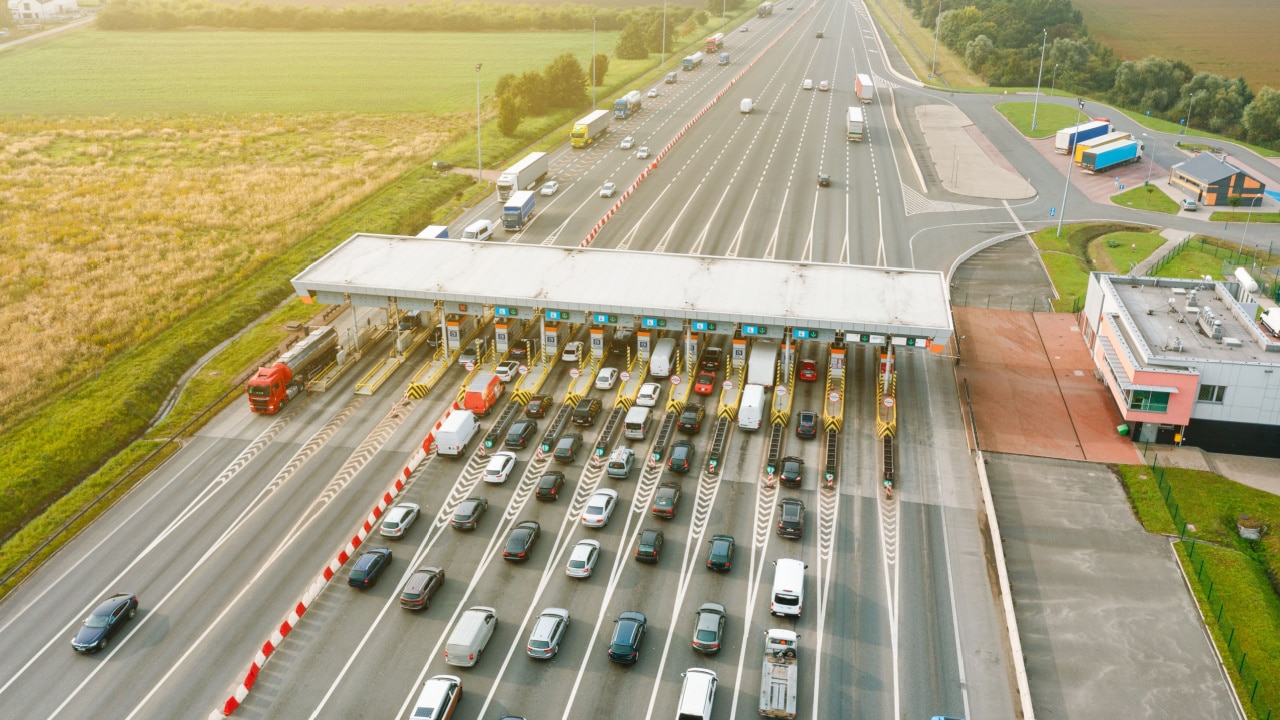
368, 567
105, 621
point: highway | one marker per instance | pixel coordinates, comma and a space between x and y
899, 619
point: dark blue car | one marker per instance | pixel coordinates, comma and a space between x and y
105, 621
368, 567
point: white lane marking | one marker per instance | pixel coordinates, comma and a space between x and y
766, 500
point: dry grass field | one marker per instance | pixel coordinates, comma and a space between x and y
1227, 37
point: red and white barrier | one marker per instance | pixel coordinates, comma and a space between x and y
335, 564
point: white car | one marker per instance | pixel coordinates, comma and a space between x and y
643, 152
572, 351
398, 519
549, 188
649, 393
808, 84
607, 377
824, 86
583, 559
608, 189
653, 92
600, 508
499, 467
506, 370
627, 142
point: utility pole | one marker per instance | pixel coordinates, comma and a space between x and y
593, 62
1036, 108
479, 153
937, 25
1071, 156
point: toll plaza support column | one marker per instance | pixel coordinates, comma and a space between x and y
644, 346
504, 333
738, 353
597, 343
551, 338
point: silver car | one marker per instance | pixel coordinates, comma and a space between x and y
398, 519
583, 559
600, 508
544, 641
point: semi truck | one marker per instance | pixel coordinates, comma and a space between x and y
863, 87
434, 231
856, 125
762, 363
276, 384
1066, 139
627, 105
692, 62
780, 676
1098, 142
1111, 156
517, 210
765, 9
524, 175
590, 128
715, 43
482, 393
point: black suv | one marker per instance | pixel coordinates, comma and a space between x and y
584, 413
806, 424
649, 549
792, 471
791, 518
691, 419
519, 434
567, 448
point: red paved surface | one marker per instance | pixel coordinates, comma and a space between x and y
1032, 387
1100, 188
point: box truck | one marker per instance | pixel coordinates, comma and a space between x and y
856, 127
517, 211
762, 363
865, 90
1099, 142
1111, 156
1065, 141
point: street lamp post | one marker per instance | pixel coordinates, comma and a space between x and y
1190, 104
479, 153
1070, 164
1036, 108
593, 62
1151, 165
1054, 82
937, 25
664, 33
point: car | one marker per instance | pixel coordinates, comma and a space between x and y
824, 180
585, 412
548, 631
583, 559
520, 541
506, 370
468, 513
653, 92
649, 394
627, 142
649, 548
608, 189
666, 500
681, 457
792, 471
499, 467
791, 7
433, 340
519, 434
807, 84
549, 188
709, 628
439, 698
620, 462
606, 378
1188, 204
104, 622
398, 519
744, 28
368, 567
824, 86
806, 424
791, 518
705, 383
441, 165
422, 584
720, 557
600, 508
628, 636
572, 351
643, 152
537, 406
691, 419
549, 486
808, 370
711, 358
819, 35
567, 448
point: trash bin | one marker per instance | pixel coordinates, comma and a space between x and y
1123, 429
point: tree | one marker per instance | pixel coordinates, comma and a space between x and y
653, 33
1150, 84
566, 82
701, 16
532, 91
978, 53
508, 115
1262, 117
1219, 102
508, 84
601, 68
631, 43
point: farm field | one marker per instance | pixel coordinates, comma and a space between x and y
1229, 37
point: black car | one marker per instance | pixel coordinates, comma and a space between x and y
422, 584
681, 457
549, 486
104, 622
368, 567
791, 518
623, 341
691, 419
520, 541
567, 448
433, 340
721, 555
824, 180
537, 406
711, 359
792, 471
519, 434
806, 424
469, 512
666, 500
628, 635
649, 549
585, 412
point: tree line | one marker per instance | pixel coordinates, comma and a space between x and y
561, 85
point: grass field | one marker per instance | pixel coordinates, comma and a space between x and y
916, 45
1146, 197
1050, 118
1229, 37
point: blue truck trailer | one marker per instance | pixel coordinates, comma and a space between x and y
517, 210
1111, 155
1066, 139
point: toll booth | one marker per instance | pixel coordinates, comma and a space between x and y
505, 334
600, 341
457, 328
738, 353
835, 368
551, 337
691, 343
644, 346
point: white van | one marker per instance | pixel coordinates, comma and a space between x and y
635, 426
746, 105
455, 432
664, 355
478, 230
470, 635
698, 694
787, 598
751, 409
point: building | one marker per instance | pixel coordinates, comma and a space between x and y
27, 10
1186, 362
1211, 180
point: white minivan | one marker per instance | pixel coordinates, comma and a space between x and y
478, 230
787, 598
470, 636
635, 426
664, 355
745, 106
698, 694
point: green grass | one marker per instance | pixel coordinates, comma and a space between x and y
1071, 257
1116, 252
1050, 118
1146, 197
1070, 275
916, 45
1204, 256
1240, 216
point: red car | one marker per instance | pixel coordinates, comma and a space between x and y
705, 384
808, 370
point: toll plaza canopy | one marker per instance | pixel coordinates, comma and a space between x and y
416, 272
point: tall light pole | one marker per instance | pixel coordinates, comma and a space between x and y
1152, 164
1191, 104
1071, 156
479, 153
1054, 82
664, 33
937, 25
593, 62
723, 14
1036, 108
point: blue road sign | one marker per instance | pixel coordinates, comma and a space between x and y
1052, 210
